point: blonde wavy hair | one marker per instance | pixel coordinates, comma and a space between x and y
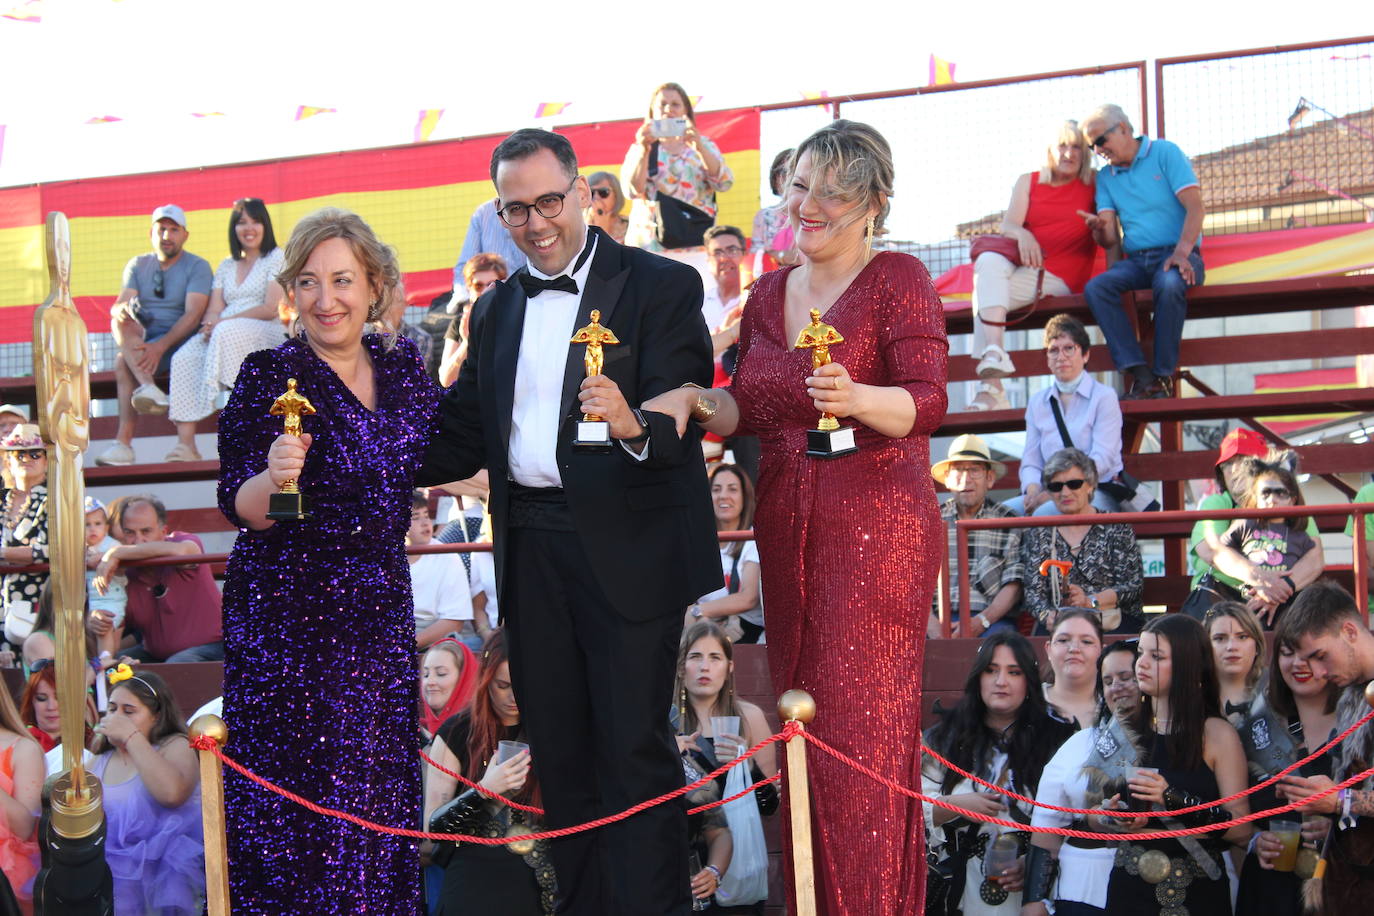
853, 162
377, 258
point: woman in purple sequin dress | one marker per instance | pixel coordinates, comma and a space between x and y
319, 630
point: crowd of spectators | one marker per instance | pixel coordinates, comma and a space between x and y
1078, 582
1181, 716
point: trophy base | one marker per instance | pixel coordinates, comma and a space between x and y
830, 443
593, 436
287, 507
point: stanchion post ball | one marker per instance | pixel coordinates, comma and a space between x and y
797, 706
212, 727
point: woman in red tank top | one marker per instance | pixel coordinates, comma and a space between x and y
1043, 219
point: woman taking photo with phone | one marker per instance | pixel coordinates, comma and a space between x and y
672, 173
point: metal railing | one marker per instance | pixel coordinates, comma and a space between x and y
962, 528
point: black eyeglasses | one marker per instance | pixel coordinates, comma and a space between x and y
1055, 486
603, 193
159, 282
727, 251
548, 206
1101, 140
1275, 492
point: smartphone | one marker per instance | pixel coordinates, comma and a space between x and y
670, 127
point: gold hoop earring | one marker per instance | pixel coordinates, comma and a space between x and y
868, 237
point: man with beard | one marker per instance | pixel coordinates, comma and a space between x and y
160, 303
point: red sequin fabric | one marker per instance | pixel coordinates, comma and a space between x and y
849, 552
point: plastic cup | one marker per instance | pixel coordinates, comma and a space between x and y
505, 750
724, 725
1289, 834
1000, 856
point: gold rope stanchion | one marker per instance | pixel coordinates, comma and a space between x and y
798, 706
212, 815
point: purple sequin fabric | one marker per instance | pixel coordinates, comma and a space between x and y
320, 679
849, 549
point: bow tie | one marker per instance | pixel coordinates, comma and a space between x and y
563, 282
534, 285
1241, 709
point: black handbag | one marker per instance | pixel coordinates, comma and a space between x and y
1125, 489
679, 225
945, 876
1209, 591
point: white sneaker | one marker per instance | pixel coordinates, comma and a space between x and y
996, 363
149, 399
183, 452
117, 455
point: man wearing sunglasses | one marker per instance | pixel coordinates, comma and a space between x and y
160, 303
597, 553
1148, 190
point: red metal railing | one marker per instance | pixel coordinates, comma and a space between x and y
964, 526
432, 547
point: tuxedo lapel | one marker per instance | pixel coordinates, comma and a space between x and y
605, 282
508, 323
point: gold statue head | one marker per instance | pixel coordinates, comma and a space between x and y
815, 316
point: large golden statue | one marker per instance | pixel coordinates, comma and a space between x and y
62, 383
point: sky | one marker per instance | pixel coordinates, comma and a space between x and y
152, 63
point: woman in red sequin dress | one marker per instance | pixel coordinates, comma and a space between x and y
849, 547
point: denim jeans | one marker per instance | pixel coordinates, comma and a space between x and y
1140, 270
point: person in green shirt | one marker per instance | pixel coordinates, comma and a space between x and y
1365, 495
1238, 445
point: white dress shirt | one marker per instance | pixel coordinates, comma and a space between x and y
550, 322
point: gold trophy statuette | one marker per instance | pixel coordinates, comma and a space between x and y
593, 433
828, 439
288, 503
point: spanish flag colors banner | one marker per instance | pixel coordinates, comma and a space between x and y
418, 197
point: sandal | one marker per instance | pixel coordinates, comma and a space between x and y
988, 398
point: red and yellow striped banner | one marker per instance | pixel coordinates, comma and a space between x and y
418, 197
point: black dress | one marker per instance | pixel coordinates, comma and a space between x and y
1265, 892
1186, 891
486, 880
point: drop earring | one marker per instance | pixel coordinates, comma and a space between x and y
868, 238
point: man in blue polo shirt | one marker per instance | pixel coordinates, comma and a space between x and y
1148, 189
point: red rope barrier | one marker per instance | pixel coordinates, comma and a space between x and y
1211, 804
205, 743
494, 796
1082, 834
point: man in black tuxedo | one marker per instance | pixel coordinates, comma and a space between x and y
597, 553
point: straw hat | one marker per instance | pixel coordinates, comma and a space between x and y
23, 437
967, 447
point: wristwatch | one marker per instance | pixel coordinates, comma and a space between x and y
696, 610
643, 426
987, 624
1097, 605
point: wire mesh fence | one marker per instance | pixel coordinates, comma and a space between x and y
1281, 138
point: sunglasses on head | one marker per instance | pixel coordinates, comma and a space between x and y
1057, 485
603, 193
